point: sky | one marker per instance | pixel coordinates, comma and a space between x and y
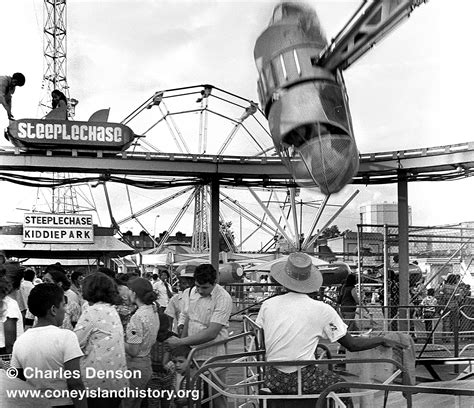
413, 89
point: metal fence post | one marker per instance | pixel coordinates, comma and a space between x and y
386, 261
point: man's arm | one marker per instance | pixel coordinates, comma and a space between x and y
6, 101
9, 327
366, 343
208, 334
75, 383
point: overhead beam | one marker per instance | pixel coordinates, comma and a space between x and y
452, 161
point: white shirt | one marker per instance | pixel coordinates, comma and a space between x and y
25, 289
12, 312
72, 296
160, 289
293, 324
46, 349
204, 310
184, 306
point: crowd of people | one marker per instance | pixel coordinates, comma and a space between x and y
140, 331
108, 331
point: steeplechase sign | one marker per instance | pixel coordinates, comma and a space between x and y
58, 228
41, 133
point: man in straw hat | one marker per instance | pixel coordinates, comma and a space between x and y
293, 323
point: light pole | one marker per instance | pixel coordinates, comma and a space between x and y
154, 230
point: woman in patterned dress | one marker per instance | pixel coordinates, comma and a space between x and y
100, 334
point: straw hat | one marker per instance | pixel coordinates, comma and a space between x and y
297, 273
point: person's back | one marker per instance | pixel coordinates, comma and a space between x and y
45, 353
294, 323
346, 300
294, 334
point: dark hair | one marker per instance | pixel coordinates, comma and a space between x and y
62, 97
351, 280
29, 275
143, 289
5, 286
75, 276
98, 287
121, 279
181, 351
431, 292
155, 276
164, 330
14, 275
43, 296
58, 274
109, 272
167, 273
205, 273
20, 78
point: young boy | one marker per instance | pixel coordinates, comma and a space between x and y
180, 359
429, 304
163, 368
45, 355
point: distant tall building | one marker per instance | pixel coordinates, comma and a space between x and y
380, 214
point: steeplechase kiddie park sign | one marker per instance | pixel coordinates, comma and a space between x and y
58, 228
89, 135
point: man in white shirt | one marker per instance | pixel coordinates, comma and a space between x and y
25, 289
207, 319
11, 321
160, 288
294, 323
178, 304
46, 356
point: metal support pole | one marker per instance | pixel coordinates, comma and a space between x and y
386, 263
403, 248
360, 231
214, 227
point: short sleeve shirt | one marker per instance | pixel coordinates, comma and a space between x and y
45, 350
100, 334
203, 311
143, 328
12, 311
294, 323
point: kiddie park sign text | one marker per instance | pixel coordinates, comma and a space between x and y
58, 228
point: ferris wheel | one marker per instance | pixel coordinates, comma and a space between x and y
208, 121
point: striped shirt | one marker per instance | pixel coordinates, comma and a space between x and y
203, 311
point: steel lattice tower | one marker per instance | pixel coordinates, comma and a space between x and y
55, 54
200, 241
67, 198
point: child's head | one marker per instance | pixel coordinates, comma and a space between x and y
430, 292
180, 357
46, 300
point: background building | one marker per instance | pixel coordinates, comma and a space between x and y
380, 214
